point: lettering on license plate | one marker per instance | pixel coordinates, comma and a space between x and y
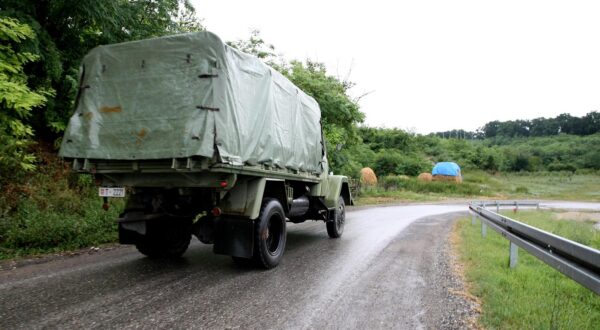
111, 192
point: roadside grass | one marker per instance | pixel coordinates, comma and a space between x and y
54, 211
482, 185
396, 188
552, 185
368, 197
532, 295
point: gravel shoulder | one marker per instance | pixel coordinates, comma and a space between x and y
412, 284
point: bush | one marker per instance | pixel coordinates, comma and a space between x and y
561, 167
36, 229
54, 210
390, 162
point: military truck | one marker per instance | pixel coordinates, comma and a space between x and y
202, 140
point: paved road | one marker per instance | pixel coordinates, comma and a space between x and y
389, 270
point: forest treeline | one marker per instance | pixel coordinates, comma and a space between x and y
561, 124
397, 152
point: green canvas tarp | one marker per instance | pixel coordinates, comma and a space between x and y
185, 95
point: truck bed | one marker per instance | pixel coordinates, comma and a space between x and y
156, 104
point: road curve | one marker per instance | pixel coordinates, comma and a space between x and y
389, 270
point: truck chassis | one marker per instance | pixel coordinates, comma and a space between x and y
242, 211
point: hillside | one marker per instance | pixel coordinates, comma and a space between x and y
395, 152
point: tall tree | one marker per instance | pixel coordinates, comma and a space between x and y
256, 46
339, 112
16, 99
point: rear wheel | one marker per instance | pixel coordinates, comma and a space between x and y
270, 234
335, 227
165, 239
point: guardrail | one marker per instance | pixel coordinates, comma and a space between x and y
579, 262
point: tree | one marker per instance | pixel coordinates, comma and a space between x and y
381, 138
544, 127
591, 123
393, 162
16, 99
256, 46
67, 29
490, 129
339, 112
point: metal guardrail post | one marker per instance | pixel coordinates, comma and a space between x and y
514, 255
483, 228
497, 207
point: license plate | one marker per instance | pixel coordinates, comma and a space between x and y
111, 192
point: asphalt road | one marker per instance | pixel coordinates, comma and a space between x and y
389, 270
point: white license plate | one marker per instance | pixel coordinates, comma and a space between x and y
111, 192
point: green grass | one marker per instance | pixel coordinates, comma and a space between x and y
480, 185
54, 211
552, 185
377, 196
533, 295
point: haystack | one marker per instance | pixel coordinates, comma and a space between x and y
448, 178
425, 177
368, 177
447, 171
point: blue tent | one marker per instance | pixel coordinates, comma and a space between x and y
446, 168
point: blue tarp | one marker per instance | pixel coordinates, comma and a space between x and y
446, 168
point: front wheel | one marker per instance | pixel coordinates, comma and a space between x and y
335, 227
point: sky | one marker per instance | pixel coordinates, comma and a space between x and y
436, 65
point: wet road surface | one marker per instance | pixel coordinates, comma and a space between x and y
389, 270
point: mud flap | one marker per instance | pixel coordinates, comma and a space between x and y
234, 237
132, 226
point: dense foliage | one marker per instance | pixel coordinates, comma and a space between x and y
17, 99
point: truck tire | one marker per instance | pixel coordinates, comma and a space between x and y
335, 227
270, 234
165, 239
